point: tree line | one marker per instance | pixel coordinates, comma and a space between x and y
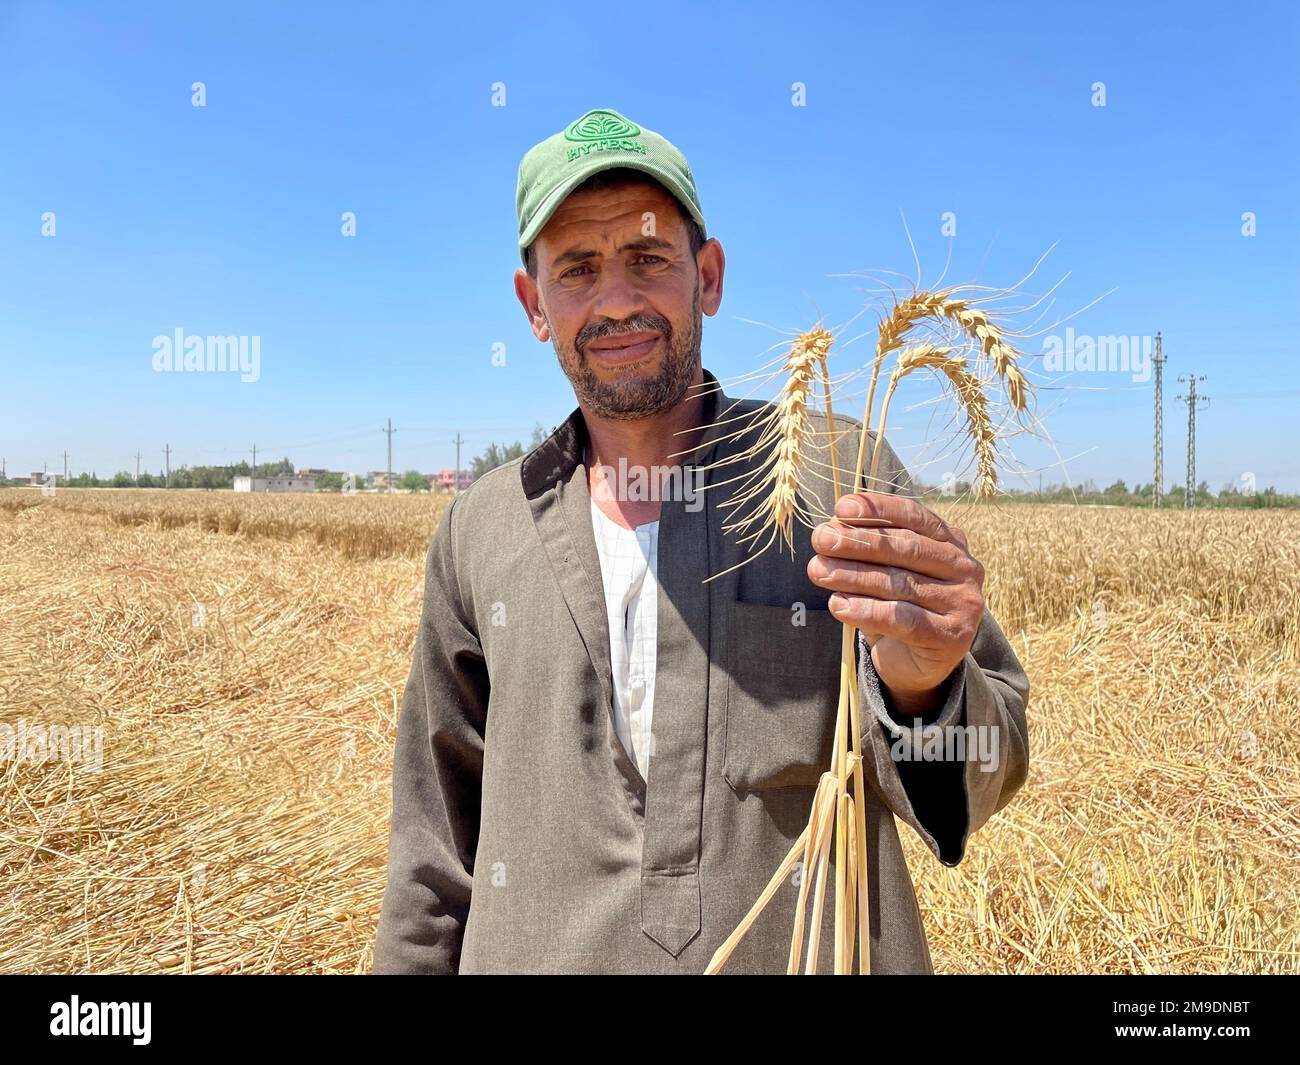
223, 477
1120, 494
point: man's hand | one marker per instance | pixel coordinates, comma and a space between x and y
912, 588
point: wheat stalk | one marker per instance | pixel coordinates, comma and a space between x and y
767, 498
770, 492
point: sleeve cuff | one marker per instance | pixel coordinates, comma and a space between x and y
950, 710
930, 796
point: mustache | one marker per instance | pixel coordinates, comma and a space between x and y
641, 323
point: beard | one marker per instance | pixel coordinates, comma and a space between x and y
634, 396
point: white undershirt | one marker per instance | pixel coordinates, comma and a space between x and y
628, 569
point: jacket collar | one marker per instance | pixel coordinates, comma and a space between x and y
556, 457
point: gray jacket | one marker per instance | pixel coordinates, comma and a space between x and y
524, 838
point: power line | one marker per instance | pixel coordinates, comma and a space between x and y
1158, 481
1257, 395
283, 447
351, 435
471, 429
390, 431
1191, 399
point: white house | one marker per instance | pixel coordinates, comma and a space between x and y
275, 484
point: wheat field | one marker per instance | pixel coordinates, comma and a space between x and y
245, 656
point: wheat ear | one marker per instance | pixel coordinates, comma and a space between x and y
973, 320
946, 305
767, 498
979, 426
970, 396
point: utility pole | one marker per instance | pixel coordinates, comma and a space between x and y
1191, 399
390, 431
1158, 481
137, 467
252, 479
65, 465
456, 486
168, 452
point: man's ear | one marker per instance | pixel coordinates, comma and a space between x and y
711, 264
530, 299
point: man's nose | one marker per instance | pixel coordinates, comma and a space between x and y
617, 295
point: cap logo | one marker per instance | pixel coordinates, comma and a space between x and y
602, 131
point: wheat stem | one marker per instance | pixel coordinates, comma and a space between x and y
859, 860
823, 853
855, 855
721, 955
796, 941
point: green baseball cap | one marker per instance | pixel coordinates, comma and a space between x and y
599, 140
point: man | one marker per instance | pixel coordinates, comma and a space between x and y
601, 759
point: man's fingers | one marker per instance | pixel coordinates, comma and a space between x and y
899, 511
901, 548
912, 624
880, 582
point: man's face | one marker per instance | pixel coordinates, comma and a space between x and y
619, 293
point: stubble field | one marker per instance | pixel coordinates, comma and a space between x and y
246, 656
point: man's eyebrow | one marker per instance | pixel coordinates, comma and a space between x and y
646, 243
640, 244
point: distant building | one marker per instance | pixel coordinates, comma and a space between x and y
275, 484
445, 480
379, 479
308, 472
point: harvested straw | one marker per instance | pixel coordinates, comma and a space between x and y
361, 526
226, 747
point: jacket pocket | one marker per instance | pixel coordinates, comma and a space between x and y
782, 697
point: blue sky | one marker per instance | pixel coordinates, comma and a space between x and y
225, 219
